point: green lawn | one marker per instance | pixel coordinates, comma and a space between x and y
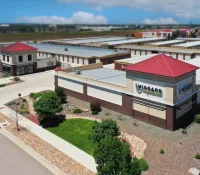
76, 131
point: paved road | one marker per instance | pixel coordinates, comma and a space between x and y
14, 161
32, 83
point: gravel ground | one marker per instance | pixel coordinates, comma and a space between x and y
180, 149
56, 157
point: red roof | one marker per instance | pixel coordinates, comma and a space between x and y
162, 65
18, 47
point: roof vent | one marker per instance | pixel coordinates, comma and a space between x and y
66, 49
78, 72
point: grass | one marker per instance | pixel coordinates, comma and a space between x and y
76, 132
2, 85
60, 35
38, 94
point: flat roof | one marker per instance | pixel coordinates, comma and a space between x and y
93, 40
132, 41
189, 39
196, 62
189, 44
161, 49
106, 75
166, 42
135, 59
75, 51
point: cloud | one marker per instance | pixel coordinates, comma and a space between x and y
180, 8
159, 21
77, 18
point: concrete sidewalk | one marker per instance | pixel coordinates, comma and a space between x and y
65, 147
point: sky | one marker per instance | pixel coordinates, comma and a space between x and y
100, 11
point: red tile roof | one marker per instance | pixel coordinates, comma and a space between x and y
18, 47
162, 65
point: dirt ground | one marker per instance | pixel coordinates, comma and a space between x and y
179, 149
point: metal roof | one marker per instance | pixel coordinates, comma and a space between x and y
166, 42
132, 41
189, 39
189, 44
161, 49
196, 62
135, 59
106, 75
75, 51
93, 40
162, 65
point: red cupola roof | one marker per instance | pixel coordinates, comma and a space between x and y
18, 47
162, 65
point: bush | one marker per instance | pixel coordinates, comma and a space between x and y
162, 151
77, 111
197, 156
95, 107
11, 103
47, 106
37, 95
2, 85
24, 100
23, 110
60, 93
143, 164
101, 129
95, 112
17, 103
197, 118
184, 131
5, 75
16, 78
32, 94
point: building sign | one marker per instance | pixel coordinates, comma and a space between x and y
148, 90
184, 88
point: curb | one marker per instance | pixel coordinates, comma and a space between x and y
47, 164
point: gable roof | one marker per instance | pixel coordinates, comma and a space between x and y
162, 65
18, 47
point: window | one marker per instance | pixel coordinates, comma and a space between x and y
4, 58
29, 57
20, 58
46, 54
7, 58
39, 53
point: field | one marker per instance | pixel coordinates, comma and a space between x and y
59, 35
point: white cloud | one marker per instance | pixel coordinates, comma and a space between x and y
179, 8
159, 21
77, 18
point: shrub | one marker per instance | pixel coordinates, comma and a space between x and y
184, 131
11, 103
24, 100
143, 164
101, 129
197, 156
16, 78
2, 85
23, 110
162, 151
37, 95
95, 107
197, 118
47, 106
5, 75
95, 112
17, 103
32, 94
77, 111
60, 93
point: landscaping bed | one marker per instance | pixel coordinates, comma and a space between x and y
56, 157
76, 132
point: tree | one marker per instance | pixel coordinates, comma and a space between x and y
16, 118
47, 106
174, 36
113, 158
132, 35
104, 128
60, 93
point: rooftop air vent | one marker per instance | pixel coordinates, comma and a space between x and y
66, 49
78, 72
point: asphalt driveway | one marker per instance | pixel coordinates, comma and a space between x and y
14, 161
